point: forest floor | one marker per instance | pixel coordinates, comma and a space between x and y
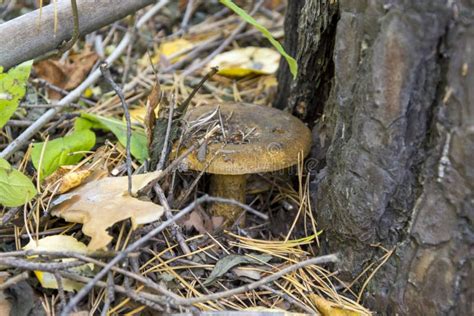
82, 242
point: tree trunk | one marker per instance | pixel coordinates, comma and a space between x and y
389, 88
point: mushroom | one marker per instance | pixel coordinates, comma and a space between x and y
257, 139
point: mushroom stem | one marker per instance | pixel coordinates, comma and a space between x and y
230, 187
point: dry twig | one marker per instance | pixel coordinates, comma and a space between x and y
108, 77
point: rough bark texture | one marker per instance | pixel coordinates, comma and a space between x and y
312, 28
397, 146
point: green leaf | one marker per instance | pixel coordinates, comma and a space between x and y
138, 145
59, 152
15, 188
266, 33
230, 261
12, 89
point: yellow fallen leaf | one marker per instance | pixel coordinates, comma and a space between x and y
103, 202
59, 243
245, 61
66, 178
179, 45
168, 49
137, 115
328, 308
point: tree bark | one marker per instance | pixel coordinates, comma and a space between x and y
311, 28
396, 135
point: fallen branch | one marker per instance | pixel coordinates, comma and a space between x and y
23, 138
30, 36
32, 266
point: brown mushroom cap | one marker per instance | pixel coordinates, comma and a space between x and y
274, 144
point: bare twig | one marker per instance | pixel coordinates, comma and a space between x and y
141, 297
19, 123
110, 295
62, 296
49, 85
164, 151
108, 77
176, 230
75, 31
187, 16
29, 265
183, 106
76, 93
70, 254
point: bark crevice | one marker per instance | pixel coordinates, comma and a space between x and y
394, 142
306, 95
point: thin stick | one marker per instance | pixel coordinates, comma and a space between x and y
68, 254
176, 230
187, 16
75, 31
62, 296
32, 266
49, 85
108, 77
110, 295
142, 297
23, 138
164, 151
183, 106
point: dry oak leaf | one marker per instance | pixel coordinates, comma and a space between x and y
66, 75
101, 203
